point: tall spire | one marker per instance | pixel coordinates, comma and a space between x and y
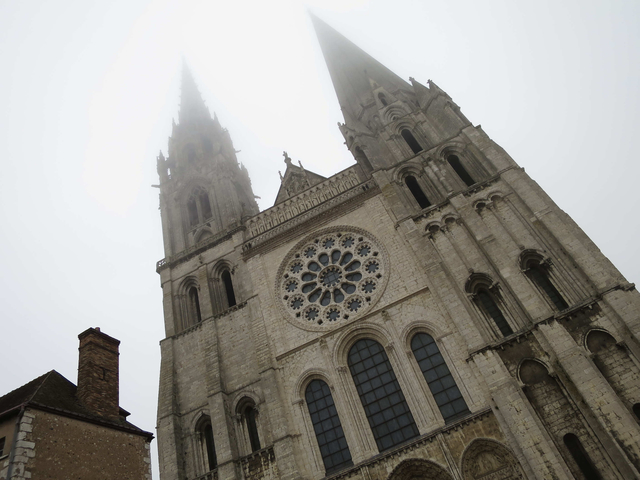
192, 106
352, 70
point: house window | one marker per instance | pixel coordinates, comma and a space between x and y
328, 429
411, 141
490, 307
413, 186
441, 383
385, 406
457, 166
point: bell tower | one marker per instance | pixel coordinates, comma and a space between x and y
204, 192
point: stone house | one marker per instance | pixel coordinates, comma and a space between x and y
51, 429
428, 312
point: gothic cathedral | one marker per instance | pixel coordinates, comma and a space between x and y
427, 313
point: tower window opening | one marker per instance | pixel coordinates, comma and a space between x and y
191, 153
383, 99
195, 304
326, 424
581, 457
205, 205
192, 209
457, 166
208, 447
362, 159
387, 411
417, 192
228, 288
411, 141
636, 410
438, 377
541, 279
252, 427
491, 308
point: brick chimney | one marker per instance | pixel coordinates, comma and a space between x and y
98, 380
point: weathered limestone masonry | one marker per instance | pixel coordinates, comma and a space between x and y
426, 313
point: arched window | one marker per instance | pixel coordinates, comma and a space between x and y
457, 166
540, 277
383, 99
326, 424
490, 308
581, 457
228, 288
636, 410
198, 207
412, 184
192, 210
411, 141
362, 159
208, 448
249, 418
387, 411
205, 206
442, 385
194, 305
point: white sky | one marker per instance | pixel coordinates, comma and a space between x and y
88, 91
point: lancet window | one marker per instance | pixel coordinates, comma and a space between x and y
207, 445
538, 272
414, 187
198, 207
414, 145
436, 372
457, 166
387, 411
327, 427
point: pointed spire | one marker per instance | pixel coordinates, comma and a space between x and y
352, 70
192, 105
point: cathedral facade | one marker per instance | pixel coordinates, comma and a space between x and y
427, 313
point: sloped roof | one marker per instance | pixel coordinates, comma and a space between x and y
53, 392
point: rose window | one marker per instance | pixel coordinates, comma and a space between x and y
332, 278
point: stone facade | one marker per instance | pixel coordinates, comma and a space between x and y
528, 366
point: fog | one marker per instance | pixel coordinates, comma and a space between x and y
88, 91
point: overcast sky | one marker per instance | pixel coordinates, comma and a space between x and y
88, 91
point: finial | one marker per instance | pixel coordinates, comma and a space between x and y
281, 177
287, 160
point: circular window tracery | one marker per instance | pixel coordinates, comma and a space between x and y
332, 277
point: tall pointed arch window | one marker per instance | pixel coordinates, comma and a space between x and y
580, 456
439, 379
490, 307
411, 141
228, 288
387, 411
198, 207
414, 187
249, 416
327, 427
383, 99
457, 166
538, 272
207, 445
194, 305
